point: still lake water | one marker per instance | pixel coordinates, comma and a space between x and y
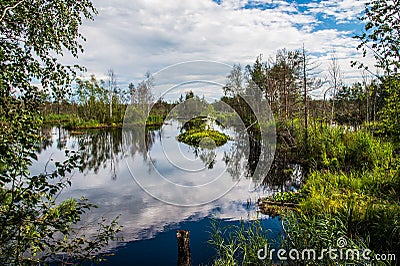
119, 165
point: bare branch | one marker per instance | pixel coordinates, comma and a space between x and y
9, 8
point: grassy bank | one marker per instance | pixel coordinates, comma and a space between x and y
355, 179
351, 192
72, 122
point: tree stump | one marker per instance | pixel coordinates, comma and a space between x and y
184, 256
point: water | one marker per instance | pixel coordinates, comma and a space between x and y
150, 219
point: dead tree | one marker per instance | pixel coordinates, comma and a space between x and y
184, 256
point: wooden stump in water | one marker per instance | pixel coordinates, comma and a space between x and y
184, 256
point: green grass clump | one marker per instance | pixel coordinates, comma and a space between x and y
319, 232
239, 245
194, 137
338, 149
78, 123
57, 118
287, 197
367, 202
154, 120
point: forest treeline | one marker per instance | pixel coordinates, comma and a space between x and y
290, 81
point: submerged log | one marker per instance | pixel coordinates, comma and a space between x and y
278, 203
184, 256
274, 208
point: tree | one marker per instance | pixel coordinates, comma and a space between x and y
349, 103
381, 36
286, 73
132, 92
144, 94
189, 95
335, 81
366, 93
93, 99
390, 113
33, 227
235, 88
112, 86
310, 83
234, 82
278, 79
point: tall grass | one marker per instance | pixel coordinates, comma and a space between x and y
339, 149
351, 191
355, 178
238, 245
57, 118
323, 232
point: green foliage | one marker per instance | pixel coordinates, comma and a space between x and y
318, 232
390, 116
74, 122
279, 79
197, 123
381, 35
244, 111
337, 148
153, 120
34, 228
78, 123
358, 103
238, 245
135, 116
29, 31
287, 197
194, 137
197, 130
366, 201
353, 182
57, 119
94, 102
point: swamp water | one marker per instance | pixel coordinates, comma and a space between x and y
121, 175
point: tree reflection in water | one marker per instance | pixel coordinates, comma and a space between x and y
47, 138
245, 156
106, 148
207, 156
100, 148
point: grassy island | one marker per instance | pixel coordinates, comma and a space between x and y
195, 137
198, 133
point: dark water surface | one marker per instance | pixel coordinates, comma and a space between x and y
150, 224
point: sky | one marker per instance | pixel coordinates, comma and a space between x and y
133, 37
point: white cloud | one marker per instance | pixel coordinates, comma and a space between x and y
342, 10
133, 37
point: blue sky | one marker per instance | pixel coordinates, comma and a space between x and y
133, 37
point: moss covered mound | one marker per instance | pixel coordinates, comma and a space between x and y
194, 137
